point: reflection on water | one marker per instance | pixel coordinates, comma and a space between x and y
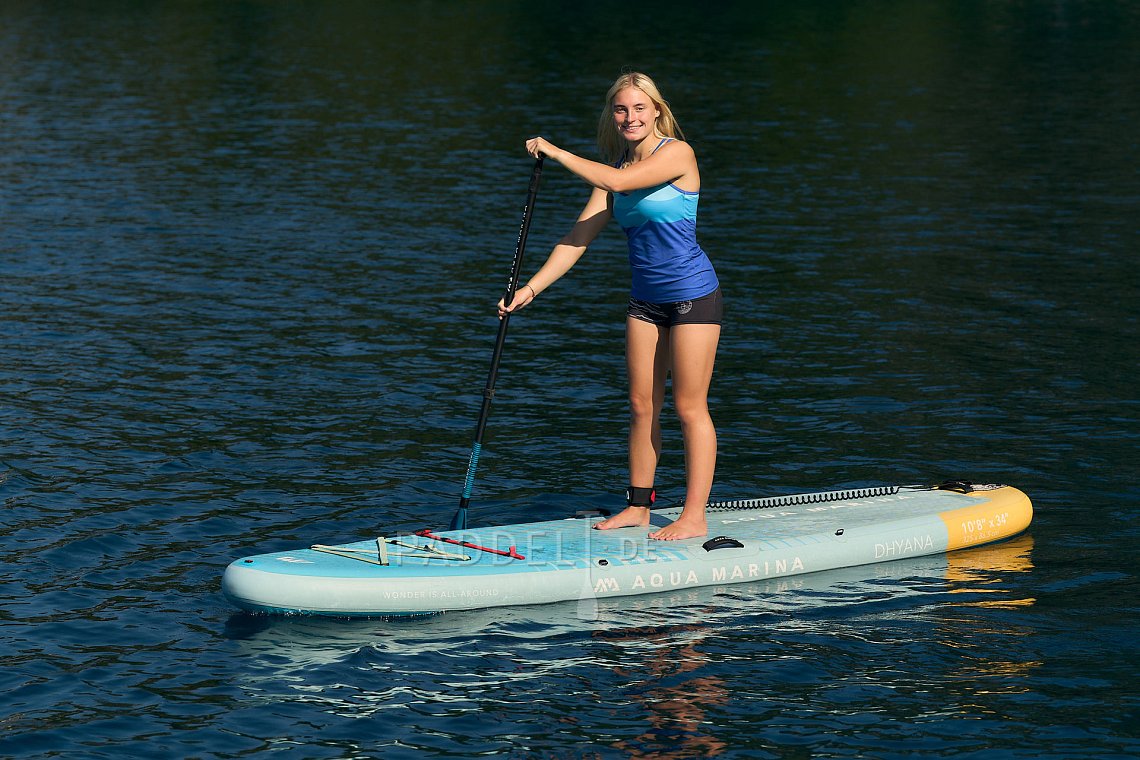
669, 690
983, 570
987, 668
656, 661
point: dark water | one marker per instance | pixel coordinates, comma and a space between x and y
248, 258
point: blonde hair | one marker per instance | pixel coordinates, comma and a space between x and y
611, 144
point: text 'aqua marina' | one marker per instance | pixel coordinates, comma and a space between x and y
679, 578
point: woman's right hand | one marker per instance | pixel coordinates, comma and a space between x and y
523, 296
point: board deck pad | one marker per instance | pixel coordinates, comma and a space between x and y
568, 559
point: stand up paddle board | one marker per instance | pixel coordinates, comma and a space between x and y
567, 560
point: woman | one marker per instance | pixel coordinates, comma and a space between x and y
650, 184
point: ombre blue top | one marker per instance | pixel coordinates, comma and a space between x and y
661, 225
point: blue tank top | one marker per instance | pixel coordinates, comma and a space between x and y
660, 224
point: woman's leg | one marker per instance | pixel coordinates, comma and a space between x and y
693, 350
647, 363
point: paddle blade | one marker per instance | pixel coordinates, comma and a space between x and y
459, 520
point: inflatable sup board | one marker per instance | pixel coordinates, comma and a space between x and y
567, 560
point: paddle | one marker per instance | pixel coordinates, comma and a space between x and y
459, 521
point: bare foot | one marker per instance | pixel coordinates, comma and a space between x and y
684, 527
630, 517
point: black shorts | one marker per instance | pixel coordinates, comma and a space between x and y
706, 310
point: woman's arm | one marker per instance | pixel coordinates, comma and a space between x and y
566, 253
671, 162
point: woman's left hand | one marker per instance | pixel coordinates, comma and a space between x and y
540, 146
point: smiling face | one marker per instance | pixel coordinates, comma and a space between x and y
635, 114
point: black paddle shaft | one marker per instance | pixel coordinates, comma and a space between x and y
459, 522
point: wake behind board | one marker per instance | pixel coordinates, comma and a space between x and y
565, 560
